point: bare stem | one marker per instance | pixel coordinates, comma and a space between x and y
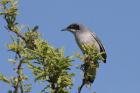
19, 78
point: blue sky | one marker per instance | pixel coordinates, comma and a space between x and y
116, 22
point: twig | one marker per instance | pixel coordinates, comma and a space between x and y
19, 76
80, 88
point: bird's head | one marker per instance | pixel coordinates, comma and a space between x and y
73, 28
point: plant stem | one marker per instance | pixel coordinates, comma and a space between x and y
19, 78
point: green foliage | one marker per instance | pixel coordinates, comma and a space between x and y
4, 79
9, 11
47, 63
91, 59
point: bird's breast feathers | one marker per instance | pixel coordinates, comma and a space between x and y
86, 39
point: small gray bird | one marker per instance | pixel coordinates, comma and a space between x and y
84, 37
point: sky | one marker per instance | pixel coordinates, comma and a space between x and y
116, 23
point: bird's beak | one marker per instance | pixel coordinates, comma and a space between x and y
65, 29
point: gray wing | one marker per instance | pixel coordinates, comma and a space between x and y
102, 49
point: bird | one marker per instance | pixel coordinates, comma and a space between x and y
86, 39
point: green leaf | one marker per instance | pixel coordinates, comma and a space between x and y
4, 79
12, 60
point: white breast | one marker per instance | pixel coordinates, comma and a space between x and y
86, 38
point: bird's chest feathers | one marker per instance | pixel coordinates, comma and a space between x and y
84, 37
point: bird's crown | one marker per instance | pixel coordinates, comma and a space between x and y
74, 26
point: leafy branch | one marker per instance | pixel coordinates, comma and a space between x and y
91, 59
48, 64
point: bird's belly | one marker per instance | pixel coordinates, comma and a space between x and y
86, 39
